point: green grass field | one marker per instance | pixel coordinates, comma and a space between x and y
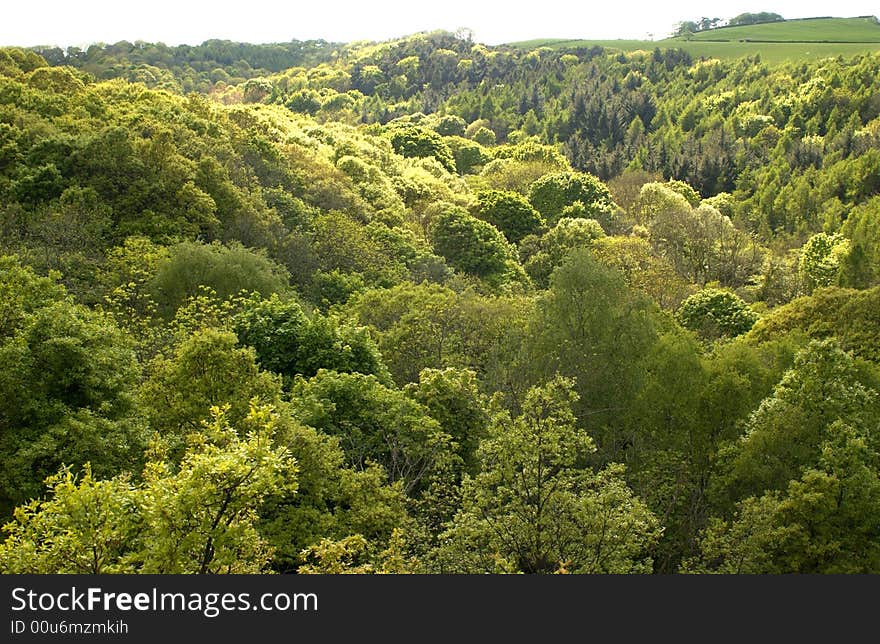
770, 52
838, 30
801, 40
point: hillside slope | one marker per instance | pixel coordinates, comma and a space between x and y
840, 30
776, 42
430, 306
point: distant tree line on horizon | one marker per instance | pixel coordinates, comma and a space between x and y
687, 27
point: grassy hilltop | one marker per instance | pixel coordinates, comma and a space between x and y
810, 30
807, 39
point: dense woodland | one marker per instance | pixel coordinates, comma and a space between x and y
427, 306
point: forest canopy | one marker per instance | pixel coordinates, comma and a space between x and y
430, 306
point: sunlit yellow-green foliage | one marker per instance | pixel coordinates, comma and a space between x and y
411, 306
195, 518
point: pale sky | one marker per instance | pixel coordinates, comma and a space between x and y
82, 22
